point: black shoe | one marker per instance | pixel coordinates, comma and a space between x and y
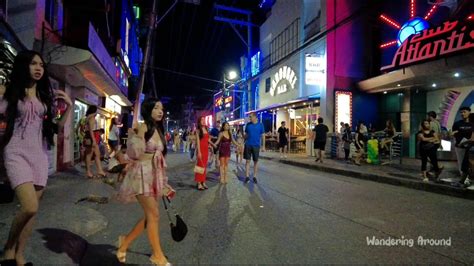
247, 179
255, 180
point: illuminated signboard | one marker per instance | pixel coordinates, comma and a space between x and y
283, 80
343, 108
315, 70
220, 101
255, 64
449, 38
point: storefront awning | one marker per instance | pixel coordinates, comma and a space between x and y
79, 67
440, 72
278, 105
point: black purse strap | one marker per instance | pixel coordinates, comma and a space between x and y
166, 199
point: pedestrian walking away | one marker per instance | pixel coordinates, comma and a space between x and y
347, 139
359, 143
192, 145
225, 139
29, 133
239, 152
283, 136
254, 138
114, 136
213, 135
320, 135
146, 180
91, 142
185, 140
202, 148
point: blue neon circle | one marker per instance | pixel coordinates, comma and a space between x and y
413, 26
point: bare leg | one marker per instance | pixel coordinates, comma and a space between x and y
98, 164
132, 235
222, 170
89, 153
150, 206
247, 168
21, 225
255, 164
25, 234
226, 165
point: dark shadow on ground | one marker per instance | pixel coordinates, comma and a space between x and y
77, 248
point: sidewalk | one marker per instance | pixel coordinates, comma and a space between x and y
406, 174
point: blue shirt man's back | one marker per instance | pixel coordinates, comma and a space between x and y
254, 133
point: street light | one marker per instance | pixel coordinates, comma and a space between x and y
232, 75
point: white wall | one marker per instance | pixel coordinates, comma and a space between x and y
266, 99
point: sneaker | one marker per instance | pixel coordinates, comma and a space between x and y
247, 179
426, 180
255, 180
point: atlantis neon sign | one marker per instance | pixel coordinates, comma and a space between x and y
451, 37
283, 80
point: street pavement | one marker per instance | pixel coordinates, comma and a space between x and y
292, 216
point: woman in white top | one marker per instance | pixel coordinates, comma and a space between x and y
114, 135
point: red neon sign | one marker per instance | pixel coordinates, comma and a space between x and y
451, 37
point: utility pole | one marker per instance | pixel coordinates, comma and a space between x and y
248, 43
143, 68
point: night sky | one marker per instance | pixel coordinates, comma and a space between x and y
190, 41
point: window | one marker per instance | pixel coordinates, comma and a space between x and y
285, 43
268, 83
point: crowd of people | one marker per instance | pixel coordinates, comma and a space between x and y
28, 126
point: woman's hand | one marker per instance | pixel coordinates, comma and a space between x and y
62, 95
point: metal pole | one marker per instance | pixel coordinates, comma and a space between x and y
141, 81
249, 63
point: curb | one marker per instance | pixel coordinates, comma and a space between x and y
414, 184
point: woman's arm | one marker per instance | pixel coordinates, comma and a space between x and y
423, 138
62, 95
218, 140
234, 141
198, 142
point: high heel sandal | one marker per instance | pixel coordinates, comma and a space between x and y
121, 256
156, 262
204, 185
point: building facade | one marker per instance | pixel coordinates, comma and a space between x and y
91, 50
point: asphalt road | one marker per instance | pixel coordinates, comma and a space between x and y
292, 216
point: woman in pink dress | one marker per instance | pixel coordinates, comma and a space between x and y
146, 179
202, 150
29, 133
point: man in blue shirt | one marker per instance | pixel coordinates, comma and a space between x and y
254, 132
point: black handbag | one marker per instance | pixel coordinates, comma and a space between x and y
6, 193
179, 230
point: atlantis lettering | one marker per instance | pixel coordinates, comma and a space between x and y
431, 43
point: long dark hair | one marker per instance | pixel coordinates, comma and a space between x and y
151, 124
223, 127
112, 123
20, 79
199, 127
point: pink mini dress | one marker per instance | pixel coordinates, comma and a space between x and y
25, 155
143, 177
